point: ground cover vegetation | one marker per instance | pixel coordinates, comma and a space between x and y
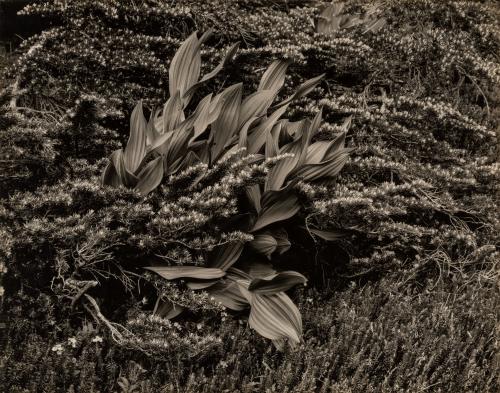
179, 179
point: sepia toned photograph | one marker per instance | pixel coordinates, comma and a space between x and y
249, 196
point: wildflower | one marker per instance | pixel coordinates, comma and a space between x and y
97, 339
72, 342
58, 348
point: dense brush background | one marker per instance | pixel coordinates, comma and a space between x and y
406, 301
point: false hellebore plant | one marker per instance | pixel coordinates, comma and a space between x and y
220, 126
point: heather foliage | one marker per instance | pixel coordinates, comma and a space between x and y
402, 247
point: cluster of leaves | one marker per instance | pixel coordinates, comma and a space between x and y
173, 143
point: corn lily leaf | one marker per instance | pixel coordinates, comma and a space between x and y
227, 123
275, 317
228, 56
195, 285
255, 105
326, 169
225, 255
258, 135
176, 148
274, 77
304, 89
201, 117
277, 175
164, 308
110, 176
136, 145
198, 272
185, 67
190, 159
316, 152
127, 178
255, 269
232, 291
151, 131
272, 143
173, 114
243, 135
296, 129
150, 176
278, 282
276, 206
253, 194
264, 244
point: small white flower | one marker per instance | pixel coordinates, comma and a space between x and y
58, 348
97, 339
72, 342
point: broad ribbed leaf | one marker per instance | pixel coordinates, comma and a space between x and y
254, 195
225, 255
274, 77
226, 124
164, 308
201, 284
296, 129
271, 148
264, 244
127, 178
255, 105
311, 131
136, 145
198, 272
177, 147
243, 135
255, 269
258, 135
150, 176
277, 175
161, 143
275, 283
304, 89
316, 152
110, 176
280, 206
326, 169
184, 70
275, 317
232, 291
201, 117
173, 114
229, 55
151, 131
